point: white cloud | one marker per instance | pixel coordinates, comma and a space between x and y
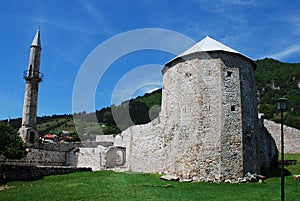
152, 89
89, 8
223, 6
97, 16
243, 2
284, 44
294, 21
137, 82
286, 52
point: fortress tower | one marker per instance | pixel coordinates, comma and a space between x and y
208, 128
33, 77
209, 112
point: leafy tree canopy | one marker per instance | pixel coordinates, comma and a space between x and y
11, 144
275, 79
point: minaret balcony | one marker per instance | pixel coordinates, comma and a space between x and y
36, 75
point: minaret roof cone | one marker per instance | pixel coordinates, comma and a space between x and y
37, 39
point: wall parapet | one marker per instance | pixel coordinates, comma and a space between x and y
68, 146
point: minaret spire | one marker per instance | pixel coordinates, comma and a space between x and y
33, 77
37, 39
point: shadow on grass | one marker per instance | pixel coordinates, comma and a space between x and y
5, 180
276, 172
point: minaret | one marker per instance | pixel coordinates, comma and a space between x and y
33, 77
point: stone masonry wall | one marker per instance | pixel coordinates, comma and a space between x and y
89, 154
144, 148
268, 148
208, 126
207, 130
16, 172
231, 136
291, 136
37, 157
85, 156
241, 111
191, 109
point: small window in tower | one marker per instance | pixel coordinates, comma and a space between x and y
31, 137
188, 74
232, 108
30, 70
229, 73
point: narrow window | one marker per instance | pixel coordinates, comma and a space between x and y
30, 70
31, 137
232, 108
187, 74
229, 73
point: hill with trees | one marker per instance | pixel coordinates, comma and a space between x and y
274, 79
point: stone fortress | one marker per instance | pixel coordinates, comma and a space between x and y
208, 129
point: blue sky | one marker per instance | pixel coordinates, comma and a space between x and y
71, 30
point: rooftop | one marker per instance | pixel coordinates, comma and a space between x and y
208, 44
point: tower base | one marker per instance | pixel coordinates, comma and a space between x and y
29, 135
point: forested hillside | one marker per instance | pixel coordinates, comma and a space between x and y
113, 119
274, 80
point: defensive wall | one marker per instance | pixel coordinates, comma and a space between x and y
17, 172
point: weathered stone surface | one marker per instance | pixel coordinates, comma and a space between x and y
37, 157
28, 131
169, 178
208, 127
291, 136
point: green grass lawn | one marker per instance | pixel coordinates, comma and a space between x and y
108, 185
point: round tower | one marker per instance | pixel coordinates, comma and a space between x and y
33, 77
210, 114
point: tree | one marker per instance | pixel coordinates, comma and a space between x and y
108, 118
139, 112
274, 80
11, 144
